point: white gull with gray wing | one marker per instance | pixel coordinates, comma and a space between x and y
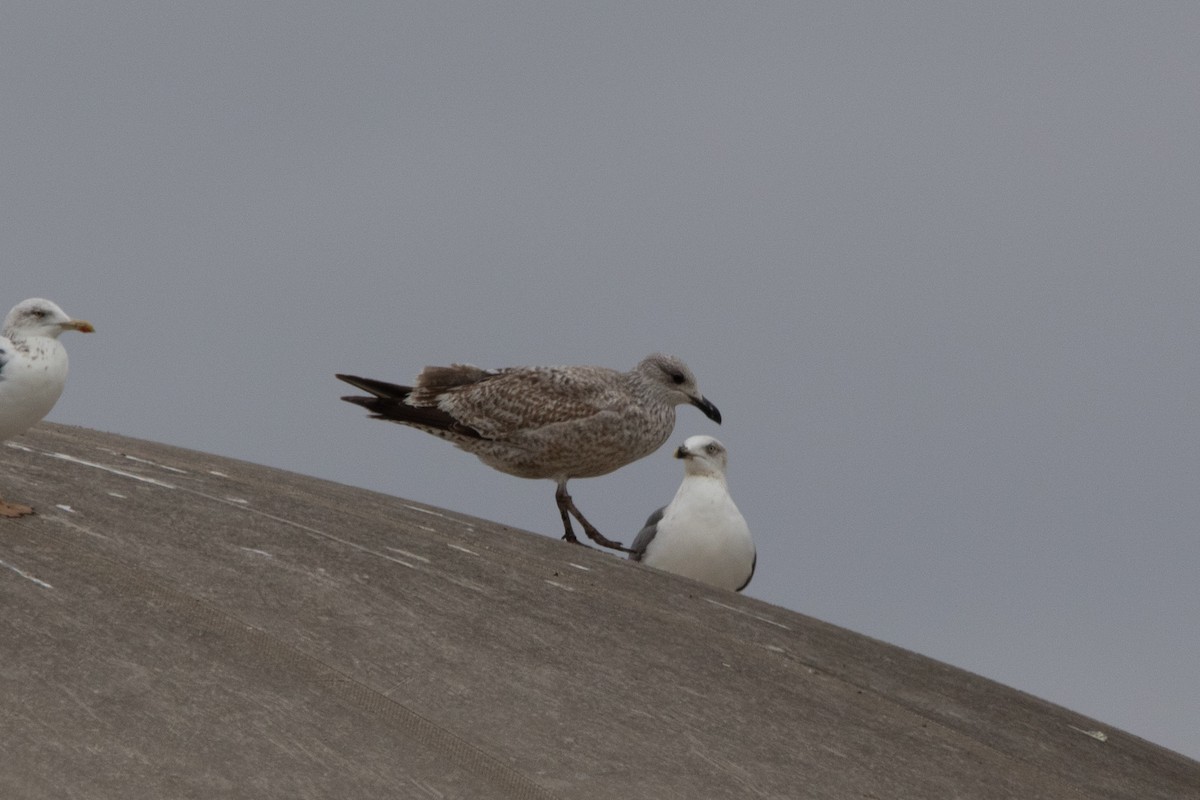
700, 534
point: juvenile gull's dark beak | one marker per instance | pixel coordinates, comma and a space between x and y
682, 452
708, 408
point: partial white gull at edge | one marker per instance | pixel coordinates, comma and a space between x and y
33, 370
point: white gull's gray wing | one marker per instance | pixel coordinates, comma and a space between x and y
646, 535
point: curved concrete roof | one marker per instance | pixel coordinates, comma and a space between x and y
178, 624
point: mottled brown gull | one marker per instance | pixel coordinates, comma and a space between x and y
33, 370
700, 533
545, 422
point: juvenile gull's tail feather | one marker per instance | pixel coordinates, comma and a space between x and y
388, 402
433, 381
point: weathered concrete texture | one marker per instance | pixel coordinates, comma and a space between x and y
181, 625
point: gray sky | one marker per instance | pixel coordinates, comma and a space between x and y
935, 263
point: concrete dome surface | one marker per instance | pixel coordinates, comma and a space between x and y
180, 625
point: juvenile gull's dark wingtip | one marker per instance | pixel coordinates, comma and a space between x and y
391, 391
353, 380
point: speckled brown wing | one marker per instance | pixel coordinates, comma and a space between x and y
528, 399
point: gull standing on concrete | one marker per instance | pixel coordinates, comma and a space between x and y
33, 370
700, 534
545, 422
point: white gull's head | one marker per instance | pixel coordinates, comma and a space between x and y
703, 455
39, 317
